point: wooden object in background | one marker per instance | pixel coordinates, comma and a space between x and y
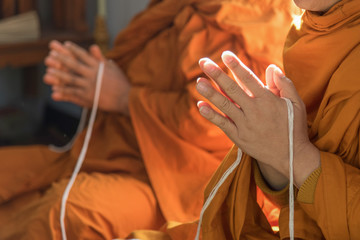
33, 52
78, 17
58, 10
8, 8
70, 15
28, 55
101, 34
22, 27
26, 6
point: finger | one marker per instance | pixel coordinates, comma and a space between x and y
269, 77
51, 80
73, 64
285, 86
52, 62
69, 94
60, 98
227, 85
220, 101
225, 124
81, 54
243, 74
59, 47
67, 78
96, 52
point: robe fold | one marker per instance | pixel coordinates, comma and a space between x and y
153, 166
194, 29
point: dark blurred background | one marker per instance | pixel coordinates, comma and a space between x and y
27, 113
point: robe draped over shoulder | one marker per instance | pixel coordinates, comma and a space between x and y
176, 143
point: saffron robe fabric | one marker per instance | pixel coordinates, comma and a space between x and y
151, 167
322, 59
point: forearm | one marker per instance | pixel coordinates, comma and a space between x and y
306, 161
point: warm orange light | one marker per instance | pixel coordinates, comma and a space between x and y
297, 20
269, 209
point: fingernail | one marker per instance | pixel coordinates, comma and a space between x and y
202, 60
209, 66
53, 53
228, 57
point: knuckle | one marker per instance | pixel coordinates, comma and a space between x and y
225, 104
222, 124
231, 88
216, 73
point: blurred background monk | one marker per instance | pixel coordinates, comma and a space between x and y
321, 62
151, 152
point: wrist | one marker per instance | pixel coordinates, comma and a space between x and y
306, 161
274, 179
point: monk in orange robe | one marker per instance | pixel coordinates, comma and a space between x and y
151, 153
321, 57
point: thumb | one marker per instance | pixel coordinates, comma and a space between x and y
270, 81
285, 86
96, 52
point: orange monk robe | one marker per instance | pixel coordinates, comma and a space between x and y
322, 58
151, 167
326, 51
198, 29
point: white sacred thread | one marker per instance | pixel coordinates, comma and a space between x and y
290, 110
83, 150
291, 166
216, 188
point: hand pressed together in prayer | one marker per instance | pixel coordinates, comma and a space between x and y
72, 72
256, 118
